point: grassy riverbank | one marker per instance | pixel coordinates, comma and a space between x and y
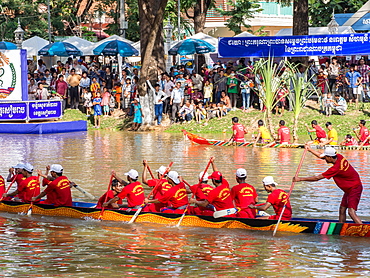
343, 124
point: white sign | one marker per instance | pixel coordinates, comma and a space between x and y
348, 58
358, 57
10, 75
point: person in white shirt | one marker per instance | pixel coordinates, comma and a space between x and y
186, 112
158, 97
168, 86
340, 104
41, 92
177, 99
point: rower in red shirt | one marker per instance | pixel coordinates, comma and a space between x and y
201, 191
220, 196
176, 196
133, 191
283, 133
244, 195
320, 133
363, 134
15, 174
2, 185
27, 188
116, 188
161, 186
345, 177
277, 199
349, 141
59, 188
238, 131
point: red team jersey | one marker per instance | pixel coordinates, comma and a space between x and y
28, 188
239, 135
364, 133
201, 192
352, 142
243, 195
2, 186
278, 198
220, 197
344, 175
176, 195
134, 192
320, 133
284, 134
106, 198
60, 190
162, 187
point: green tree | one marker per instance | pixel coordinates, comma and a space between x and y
320, 13
241, 11
197, 11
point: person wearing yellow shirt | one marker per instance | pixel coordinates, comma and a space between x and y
332, 135
263, 136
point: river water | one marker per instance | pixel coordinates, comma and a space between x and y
39, 246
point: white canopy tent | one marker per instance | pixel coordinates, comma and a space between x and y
244, 34
207, 38
80, 43
33, 45
317, 31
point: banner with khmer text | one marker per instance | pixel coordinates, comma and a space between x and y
289, 46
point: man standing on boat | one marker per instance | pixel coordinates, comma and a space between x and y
238, 131
161, 186
283, 133
27, 188
176, 196
345, 177
133, 191
277, 198
59, 188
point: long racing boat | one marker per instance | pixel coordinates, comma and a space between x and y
223, 143
82, 210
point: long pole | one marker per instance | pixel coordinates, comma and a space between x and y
122, 18
290, 191
178, 19
49, 22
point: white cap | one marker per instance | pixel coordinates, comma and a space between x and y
173, 175
137, 99
205, 177
241, 173
28, 167
133, 174
57, 168
161, 170
329, 151
18, 166
269, 180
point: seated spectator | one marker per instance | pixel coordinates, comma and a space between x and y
223, 109
226, 100
41, 92
213, 111
200, 112
340, 104
186, 112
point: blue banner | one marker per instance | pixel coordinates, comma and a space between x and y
30, 110
289, 46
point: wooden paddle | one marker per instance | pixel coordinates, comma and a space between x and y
10, 185
226, 212
29, 212
132, 220
83, 191
290, 191
106, 198
199, 183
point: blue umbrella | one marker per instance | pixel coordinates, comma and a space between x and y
191, 46
59, 49
7, 46
115, 47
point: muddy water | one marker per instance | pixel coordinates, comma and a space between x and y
49, 247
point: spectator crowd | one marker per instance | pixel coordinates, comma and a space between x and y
185, 95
